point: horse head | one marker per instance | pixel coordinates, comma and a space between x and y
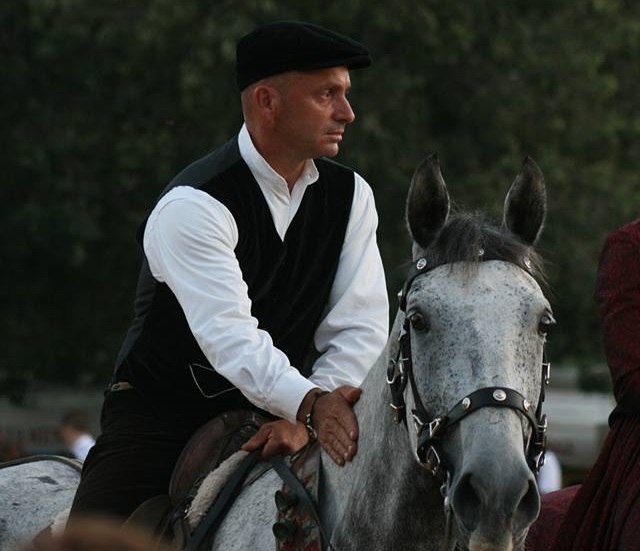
469, 367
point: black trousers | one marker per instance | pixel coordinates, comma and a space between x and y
132, 459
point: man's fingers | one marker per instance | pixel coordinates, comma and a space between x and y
271, 448
337, 458
350, 426
347, 418
350, 393
256, 441
336, 423
346, 450
339, 453
277, 437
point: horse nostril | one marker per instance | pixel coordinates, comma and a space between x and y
528, 508
466, 502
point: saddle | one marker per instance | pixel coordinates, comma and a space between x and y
170, 516
208, 447
164, 515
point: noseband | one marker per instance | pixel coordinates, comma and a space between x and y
430, 429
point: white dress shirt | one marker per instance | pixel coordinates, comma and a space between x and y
189, 242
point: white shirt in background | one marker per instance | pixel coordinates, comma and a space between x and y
81, 446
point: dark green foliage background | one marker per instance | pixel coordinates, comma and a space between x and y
103, 102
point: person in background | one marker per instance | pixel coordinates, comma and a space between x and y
604, 513
262, 285
74, 430
550, 476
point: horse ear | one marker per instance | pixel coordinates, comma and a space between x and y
427, 202
525, 205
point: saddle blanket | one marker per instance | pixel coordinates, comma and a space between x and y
295, 528
211, 486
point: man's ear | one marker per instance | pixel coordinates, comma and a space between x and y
266, 100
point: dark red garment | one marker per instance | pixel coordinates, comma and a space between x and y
553, 509
618, 296
605, 513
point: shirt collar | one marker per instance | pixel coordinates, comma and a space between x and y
262, 170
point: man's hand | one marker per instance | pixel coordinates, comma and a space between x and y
334, 421
278, 438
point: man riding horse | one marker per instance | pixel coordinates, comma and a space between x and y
261, 287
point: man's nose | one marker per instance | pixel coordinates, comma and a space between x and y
344, 113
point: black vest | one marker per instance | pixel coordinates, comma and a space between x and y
288, 284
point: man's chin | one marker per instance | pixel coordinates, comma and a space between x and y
330, 150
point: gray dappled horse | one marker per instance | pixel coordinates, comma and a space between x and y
474, 318
463, 367
33, 491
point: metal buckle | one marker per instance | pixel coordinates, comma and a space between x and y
542, 424
444, 492
432, 460
397, 369
538, 461
546, 372
392, 373
398, 412
418, 423
435, 426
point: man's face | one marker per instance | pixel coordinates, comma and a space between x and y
314, 112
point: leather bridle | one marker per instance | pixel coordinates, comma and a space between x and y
430, 429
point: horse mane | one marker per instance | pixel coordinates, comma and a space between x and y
465, 235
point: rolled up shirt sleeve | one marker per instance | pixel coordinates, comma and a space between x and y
189, 242
354, 329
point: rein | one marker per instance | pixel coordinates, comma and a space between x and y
429, 429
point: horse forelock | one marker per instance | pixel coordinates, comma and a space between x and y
470, 238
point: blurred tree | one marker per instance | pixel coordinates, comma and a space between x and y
104, 102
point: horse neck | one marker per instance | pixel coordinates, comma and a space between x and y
383, 499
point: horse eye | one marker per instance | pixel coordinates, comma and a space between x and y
418, 322
546, 321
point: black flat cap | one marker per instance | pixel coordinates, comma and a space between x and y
294, 46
